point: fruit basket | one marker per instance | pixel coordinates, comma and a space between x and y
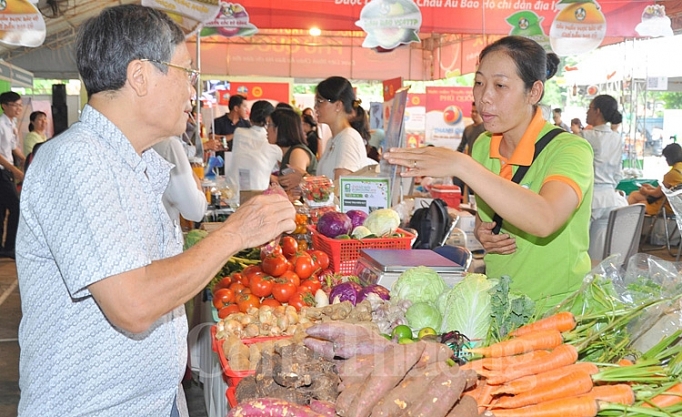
344, 253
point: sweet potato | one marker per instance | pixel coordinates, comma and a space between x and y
324, 408
434, 352
465, 407
345, 399
445, 390
336, 330
390, 368
408, 391
321, 347
265, 407
355, 369
367, 346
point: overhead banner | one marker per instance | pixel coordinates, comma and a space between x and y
232, 20
21, 24
279, 92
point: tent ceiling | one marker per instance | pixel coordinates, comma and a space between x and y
54, 59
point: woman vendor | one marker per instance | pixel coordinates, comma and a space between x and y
544, 236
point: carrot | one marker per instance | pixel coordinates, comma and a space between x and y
485, 397
573, 384
544, 339
617, 393
529, 382
561, 356
503, 362
574, 407
563, 322
671, 396
625, 362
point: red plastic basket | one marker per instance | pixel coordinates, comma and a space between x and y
344, 253
231, 395
233, 377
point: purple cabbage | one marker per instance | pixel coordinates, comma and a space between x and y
333, 224
357, 217
377, 289
346, 291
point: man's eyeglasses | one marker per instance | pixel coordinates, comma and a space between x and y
192, 74
16, 104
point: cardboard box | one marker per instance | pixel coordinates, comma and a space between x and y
467, 221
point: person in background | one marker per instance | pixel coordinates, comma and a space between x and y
608, 159
298, 161
183, 195
376, 144
324, 133
335, 104
653, 197
37, 129
108, 307
544, 234
556, 116
471, 132
576, 126
225, 125
310, 130
254, 156
12, 107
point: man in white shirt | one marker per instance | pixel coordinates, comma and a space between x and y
9, 149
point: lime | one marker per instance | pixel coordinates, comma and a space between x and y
402, 331
405, 340
427, 331
386, 336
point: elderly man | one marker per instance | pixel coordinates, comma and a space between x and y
102, 274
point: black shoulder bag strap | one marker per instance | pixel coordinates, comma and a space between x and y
521, 171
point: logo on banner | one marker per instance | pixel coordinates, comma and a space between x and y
21, 24
654, 22
452, 115
527, 24
578, 28
390, 23
231, 21
186, 13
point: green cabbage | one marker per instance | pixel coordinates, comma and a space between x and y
382, 222
194, 236
418, 284
466, 307
420, 315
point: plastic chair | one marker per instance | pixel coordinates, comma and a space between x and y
623, 231
674, 197
457, 254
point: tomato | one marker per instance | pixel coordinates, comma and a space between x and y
245, 301
321, 259
311, 284
291, 277
223, 283
270, 302
289, 246
223, 297
277, 250
302, 299
302, 244
283, 290
275, 265
260, 284
227, 310
238, 288
303, 265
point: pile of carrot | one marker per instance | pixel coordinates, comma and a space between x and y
537, 374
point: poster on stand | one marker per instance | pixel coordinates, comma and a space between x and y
445, 110
415, 120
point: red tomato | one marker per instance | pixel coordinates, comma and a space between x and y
223, 283
270, 302
227, 310
275, 265
283, 290
223, 297
245, 301
260, 284
320, 258
303, 265
302, 299
237, 288
289, 246
291, 277
311, 284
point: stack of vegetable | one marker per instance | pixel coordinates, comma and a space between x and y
357, 224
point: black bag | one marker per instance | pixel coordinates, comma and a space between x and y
432, 224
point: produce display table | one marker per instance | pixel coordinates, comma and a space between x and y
202, 361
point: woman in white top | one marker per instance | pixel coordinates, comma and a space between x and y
36, 131
336, 104
254, 157
608, 160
